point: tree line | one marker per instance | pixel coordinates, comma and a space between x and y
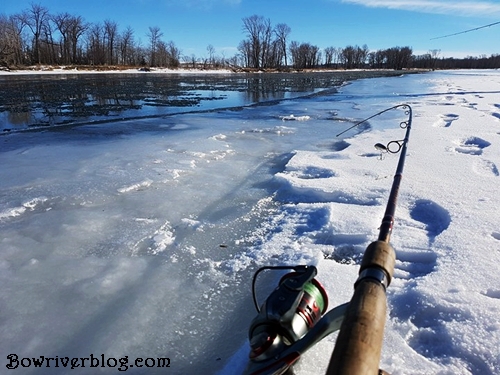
35, 36
269, 47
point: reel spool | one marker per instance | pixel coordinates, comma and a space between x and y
289, 312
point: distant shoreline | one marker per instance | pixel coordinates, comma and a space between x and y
42, 70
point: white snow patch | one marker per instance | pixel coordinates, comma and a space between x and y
295, 118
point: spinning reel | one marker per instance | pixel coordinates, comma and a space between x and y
289, 321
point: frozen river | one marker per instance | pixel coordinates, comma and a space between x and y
134, 210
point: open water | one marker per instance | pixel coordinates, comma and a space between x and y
41, 101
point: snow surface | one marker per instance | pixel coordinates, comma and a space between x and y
143, 244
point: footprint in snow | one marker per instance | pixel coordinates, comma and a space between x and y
336, 146
415, 258
290, 193
429, 321
414, 262
436, 218
311, 173
343, 248
472, 146
371, 155
485, 168
492, 293
446, 120
495, 113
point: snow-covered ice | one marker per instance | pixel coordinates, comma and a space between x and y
143, 244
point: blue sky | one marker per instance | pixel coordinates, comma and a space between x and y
194, 24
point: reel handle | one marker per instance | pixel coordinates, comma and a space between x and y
359, 343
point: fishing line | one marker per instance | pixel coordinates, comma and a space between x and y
467, 31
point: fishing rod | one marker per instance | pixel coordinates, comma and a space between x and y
293, 318
359, 343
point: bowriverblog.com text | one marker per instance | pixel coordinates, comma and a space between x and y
121, 364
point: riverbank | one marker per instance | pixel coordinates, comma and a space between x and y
106, 69
86, 69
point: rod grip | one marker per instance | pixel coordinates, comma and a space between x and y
379, 254
359, 343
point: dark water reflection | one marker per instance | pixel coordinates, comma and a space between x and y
33, 101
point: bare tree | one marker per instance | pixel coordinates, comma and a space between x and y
96, 50
71, 29
126, 47
266, 55
347, 57
11, 43
336, 56
258, 31
434, 54
47, 44
304, 55
211, 53
36, 18
282, 31
167, 54
234, 62
161, 56
62, 22
398, 57
174, 55
154, 36
354, 56
77, 27
110, 36
252, 26
245, 49
190, 60
377, 59
264, 46
6, 51
362, 56
329, 51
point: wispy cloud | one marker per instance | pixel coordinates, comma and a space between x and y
468, 8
